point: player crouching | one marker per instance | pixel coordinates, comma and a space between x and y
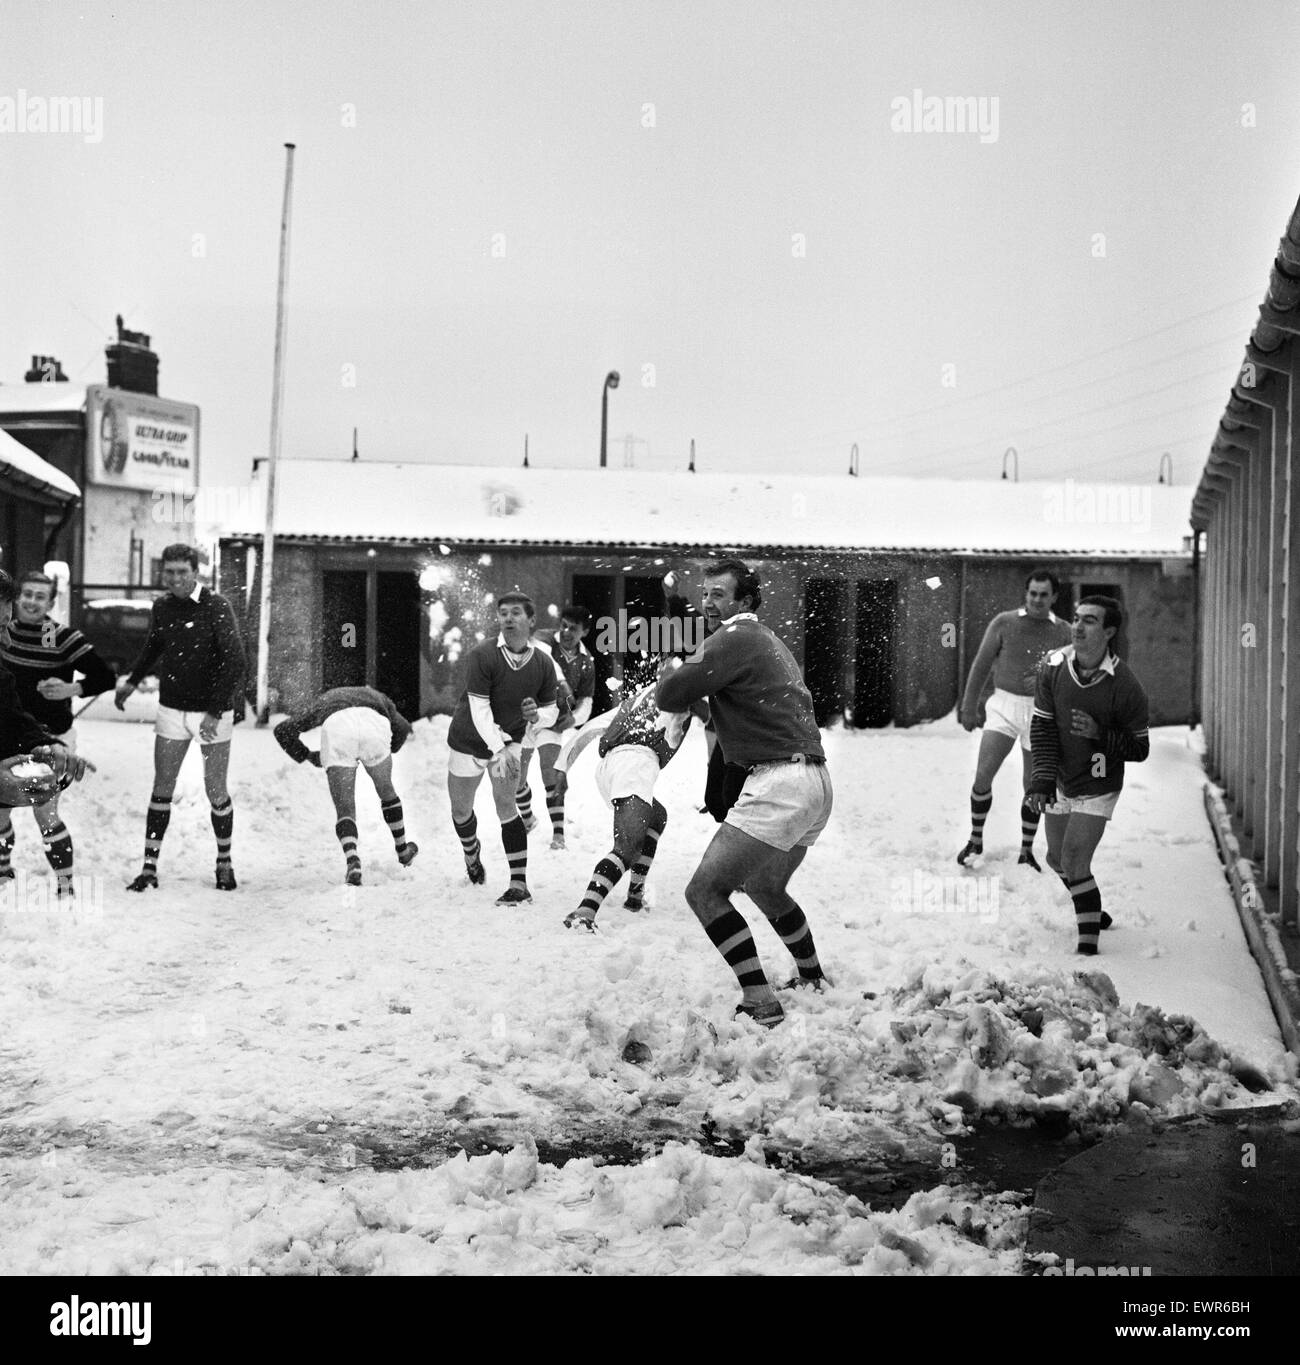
357, 725
636, 742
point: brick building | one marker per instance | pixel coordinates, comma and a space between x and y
385, 573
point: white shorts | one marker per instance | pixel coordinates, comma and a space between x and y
784, 804
1103, 805
355, 735
627, 770
465, 765
173, 724
1010, 715
544, 737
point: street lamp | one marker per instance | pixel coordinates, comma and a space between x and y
1012, 455
611, 382
1166, 462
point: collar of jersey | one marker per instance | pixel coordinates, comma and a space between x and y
513, 659
1051, 615
739, 616
1107, 665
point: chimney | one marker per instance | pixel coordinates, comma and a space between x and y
45, 370
131, 363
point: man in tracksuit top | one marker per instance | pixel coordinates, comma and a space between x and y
44, 658
510, 684
193, 646
1090, 717
763, 713
357, 725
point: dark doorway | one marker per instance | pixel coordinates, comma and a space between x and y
397, 641
873, 673
344, 621
595, 591
825, 617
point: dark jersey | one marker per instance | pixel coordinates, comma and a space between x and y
288, 732
760, 706
19, 731
639, 721
579, 673
1077, 765
45, 649
194, 649
492, 673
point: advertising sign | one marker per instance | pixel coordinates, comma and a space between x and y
140, 441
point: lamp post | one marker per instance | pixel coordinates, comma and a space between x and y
611, 382
1012, 455
1166, 462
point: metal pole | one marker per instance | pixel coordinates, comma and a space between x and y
277, 403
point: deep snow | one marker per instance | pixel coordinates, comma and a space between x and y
203, 1082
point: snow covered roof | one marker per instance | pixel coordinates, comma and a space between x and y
27, 468
53, 398
369, 501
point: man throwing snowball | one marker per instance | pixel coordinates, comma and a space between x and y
763, 713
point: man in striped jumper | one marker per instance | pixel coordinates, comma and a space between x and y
1090, 718
357, 725
1013, 646
23, 740
193, 646
44, 658
510, 684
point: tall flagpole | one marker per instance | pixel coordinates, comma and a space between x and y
277, 403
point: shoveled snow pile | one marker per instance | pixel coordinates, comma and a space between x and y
680, 1212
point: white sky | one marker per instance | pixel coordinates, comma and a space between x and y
670, 246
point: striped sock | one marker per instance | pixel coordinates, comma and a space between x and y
524, 800
223, 826
604, 878
1028, 828
731, 937
346, 833
797, 936
555, 809
514, 839
155, 826
1087, 911
979, 812
58, 853
6, 844
467, 833
1106, 920
393, 819
644, 859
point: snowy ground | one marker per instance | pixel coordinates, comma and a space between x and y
270, 1081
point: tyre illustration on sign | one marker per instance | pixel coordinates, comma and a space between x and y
114, 437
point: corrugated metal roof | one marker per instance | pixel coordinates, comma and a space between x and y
353, 501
